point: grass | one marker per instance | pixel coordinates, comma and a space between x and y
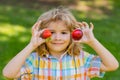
16, 22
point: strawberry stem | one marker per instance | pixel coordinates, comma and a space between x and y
48, 39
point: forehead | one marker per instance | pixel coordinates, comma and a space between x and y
58, 25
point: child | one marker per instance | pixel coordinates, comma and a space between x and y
61, 57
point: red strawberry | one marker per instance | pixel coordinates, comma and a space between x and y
77, 34
46, 34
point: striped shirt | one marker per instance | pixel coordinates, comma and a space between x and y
67, 68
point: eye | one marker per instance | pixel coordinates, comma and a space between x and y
64, 32
52, 32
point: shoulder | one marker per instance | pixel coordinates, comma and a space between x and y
88, 57
91, 59
84, 54
32, 56
87, 54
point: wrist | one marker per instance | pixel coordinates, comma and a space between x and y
93, 42
31, 46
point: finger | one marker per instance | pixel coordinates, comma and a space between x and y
91, 26
34, 33
80, 24
41, 41
36, 26
76, 41
39, 23
85, 25
40, 32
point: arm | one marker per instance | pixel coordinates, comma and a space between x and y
12, 69
109, 62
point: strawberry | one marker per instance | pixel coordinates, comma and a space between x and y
46, 34
77, 34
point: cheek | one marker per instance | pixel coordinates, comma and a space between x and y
67, 38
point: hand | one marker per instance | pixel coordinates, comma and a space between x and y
36, 40
88, 35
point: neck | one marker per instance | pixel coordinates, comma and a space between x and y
57, 54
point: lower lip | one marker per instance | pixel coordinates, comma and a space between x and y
57, 43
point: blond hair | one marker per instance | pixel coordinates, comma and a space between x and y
59, 14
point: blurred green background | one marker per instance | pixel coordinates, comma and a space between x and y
18, 16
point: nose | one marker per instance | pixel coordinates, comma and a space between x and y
57, 36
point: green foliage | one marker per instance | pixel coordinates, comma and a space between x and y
16, 21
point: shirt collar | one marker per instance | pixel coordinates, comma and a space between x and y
50, 56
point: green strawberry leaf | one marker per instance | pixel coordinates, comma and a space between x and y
48, 39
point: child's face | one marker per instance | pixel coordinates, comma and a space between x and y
60, 38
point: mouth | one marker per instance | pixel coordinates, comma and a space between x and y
57, 43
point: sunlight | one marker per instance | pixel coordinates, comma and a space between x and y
9, 30
97, 9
